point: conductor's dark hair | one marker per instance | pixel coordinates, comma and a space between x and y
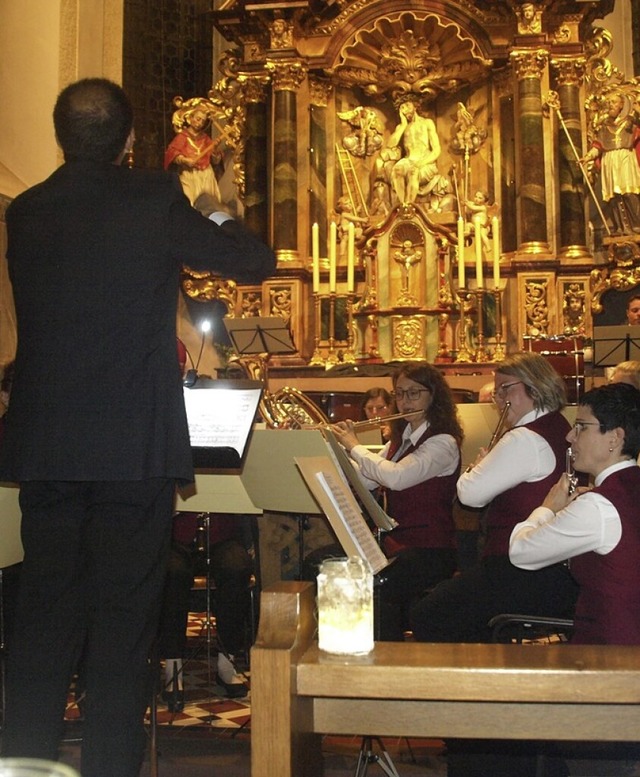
617, 405
92, 118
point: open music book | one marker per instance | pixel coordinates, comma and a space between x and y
342, 510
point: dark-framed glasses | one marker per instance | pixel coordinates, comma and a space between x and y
410, 393
502, 390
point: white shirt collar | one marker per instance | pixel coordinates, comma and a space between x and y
527, 418
407, 434
614, 468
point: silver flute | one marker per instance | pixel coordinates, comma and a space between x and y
573, 478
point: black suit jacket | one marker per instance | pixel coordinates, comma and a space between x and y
94, 257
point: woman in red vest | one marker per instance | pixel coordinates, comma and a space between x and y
418, 469
597, 528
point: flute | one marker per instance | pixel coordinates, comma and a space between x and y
382, 420
573, 478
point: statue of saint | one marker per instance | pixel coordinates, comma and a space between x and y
411, 155
616, 146
192, 150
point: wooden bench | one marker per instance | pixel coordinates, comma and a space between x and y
552, 692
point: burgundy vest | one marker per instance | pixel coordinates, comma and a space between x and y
424, 512
512, 506
608, 608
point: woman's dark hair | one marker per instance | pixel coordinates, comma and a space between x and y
617, 405
92, 118
443, 412
374, 393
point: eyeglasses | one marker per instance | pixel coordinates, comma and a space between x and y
502, 390
410, 393
579, 426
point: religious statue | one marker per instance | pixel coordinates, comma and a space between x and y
365, 136
529, 19
410, 156
343, 216
468, 137
616, 146
192, 149
406, 257
573, 309
480, 220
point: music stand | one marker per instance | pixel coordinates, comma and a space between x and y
259, 335
220, 414
615, 344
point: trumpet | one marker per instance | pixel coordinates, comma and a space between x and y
571, 473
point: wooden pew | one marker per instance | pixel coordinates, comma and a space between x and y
552, 692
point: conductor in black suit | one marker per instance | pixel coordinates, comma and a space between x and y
97, 433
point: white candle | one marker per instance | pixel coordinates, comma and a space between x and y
333, 240
461, 278
315, 254
477, 239
496, 251
351, 257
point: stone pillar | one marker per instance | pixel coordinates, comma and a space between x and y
319, 92
256, 212
286, 78
571, 186
529, 67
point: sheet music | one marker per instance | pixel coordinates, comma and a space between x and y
340, 506
348, 472
221, 417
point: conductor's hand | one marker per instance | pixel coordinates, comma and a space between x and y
345, 434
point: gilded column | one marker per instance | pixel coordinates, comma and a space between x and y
255, 158
286, 78
529, 67
319, 92
568, 78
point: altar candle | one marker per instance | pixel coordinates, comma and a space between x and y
333, 239
478, 245
351, 256
496, 251
461, 278
315, 255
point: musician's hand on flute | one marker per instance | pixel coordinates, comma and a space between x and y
345, 434
558, 497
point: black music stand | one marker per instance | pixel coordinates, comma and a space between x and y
220, 414
615, 344
270, 335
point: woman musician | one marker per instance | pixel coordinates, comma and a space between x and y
418, 468
598, 529
511, 479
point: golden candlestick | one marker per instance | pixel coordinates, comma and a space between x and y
317, 358
481, 351
499, 353
465, 299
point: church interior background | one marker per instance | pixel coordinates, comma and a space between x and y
423, 170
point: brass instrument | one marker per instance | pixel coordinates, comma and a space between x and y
573, 478
287, 407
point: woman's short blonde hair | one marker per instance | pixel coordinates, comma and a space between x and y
627, 372
542, 383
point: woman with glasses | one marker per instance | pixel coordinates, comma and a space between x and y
418, 469
377, 403
598, 528
510, 480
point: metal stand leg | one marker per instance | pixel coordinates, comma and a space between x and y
367, 756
